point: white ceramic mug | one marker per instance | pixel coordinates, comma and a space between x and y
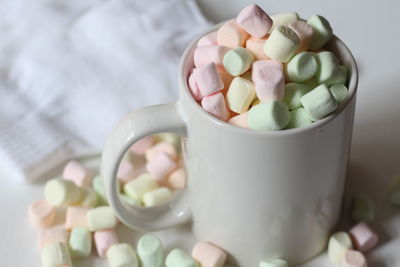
256, 194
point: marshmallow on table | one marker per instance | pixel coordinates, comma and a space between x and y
240, 120
104, 239
281, 44
338, 244
122, 255
322, 31
298, 118
76, 217
177, 179
215, 105
293, 94
140, 147
53, 234
101, 218
62, 192
208, 39
179, 258
207, 54
328, 66
301, 67
231, 35
237, 61
41, 213
126, 171
162, 147
208, 79
150, 251
339, 76
274, 263
193, 87
254, 21
56, 254
80, 242
269, 116
353, 258
364, 238
209, 255
89, 198
139, 186
98, 186
269, 80
77, 173
283, 19
362, 209
319, 102
305, 33
156, 197
256, 47
160, 166
339, 92
240, 94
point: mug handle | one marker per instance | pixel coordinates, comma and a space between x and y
136, 125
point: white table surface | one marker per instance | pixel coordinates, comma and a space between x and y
370, 29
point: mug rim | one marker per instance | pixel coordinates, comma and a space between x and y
335, 42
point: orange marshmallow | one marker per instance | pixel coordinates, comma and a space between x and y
53, 234
165, 147
209, 255
240, 120
41, 213
77, 173
305, 33
256, 47
226, 79
76, 217
177, 179
231, 35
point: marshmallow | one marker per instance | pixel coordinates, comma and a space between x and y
240, 94
208, 79
226, 79
130, 201
160, 166
256, 47
269, 81
394, 191
231, 35
254, 21
41, 213
104, 239
156, 197
53, 234
179, 258
298, 118
269, 116
339, 76
364, 238
302, 67
89, 198
328, 65
283, 19
362, 209
339, 92
61, 192
150, 251
237, 61
293, 94
126, 171
322, 31
76, 217
208, 39
177, 179
305, 33
162, 147
209, 255
98, 186
353, 258
101, 218
193, 87
122, 255
338, 244
140, 147
173, 139
77, 173
204, 55
319, 102
139, 186
215, 105
56, 254
80, 242
274, 263
259, 65
240, 120
281, 44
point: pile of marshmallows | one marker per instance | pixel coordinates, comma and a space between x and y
255, 72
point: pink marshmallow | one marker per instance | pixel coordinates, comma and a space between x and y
164, 147
240, 120
364, 238
193, 87
209, 255
53, 234
77, 173
305, 33
140, 147
353, 258
256, 47
177, 179
254, 21
208, 80
76, 217
215, 105
231, 35
204, 55
269, 80
104, 239
209, 39
126, 172
160, 166
260, 64
41, 213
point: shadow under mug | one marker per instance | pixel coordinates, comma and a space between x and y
257, 195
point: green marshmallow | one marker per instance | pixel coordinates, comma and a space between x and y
179, 258
298, 118
394, 191
312, 83
322, 31
302, 67
362, 209
62, 192
150, 251
122, 255
328, 67
274, 263
56, 254
339, 76
293, 94
130, 200
237, 61
268, 116
339, 92
80, 242
98, 186
319, 102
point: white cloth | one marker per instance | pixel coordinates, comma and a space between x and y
71, 69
